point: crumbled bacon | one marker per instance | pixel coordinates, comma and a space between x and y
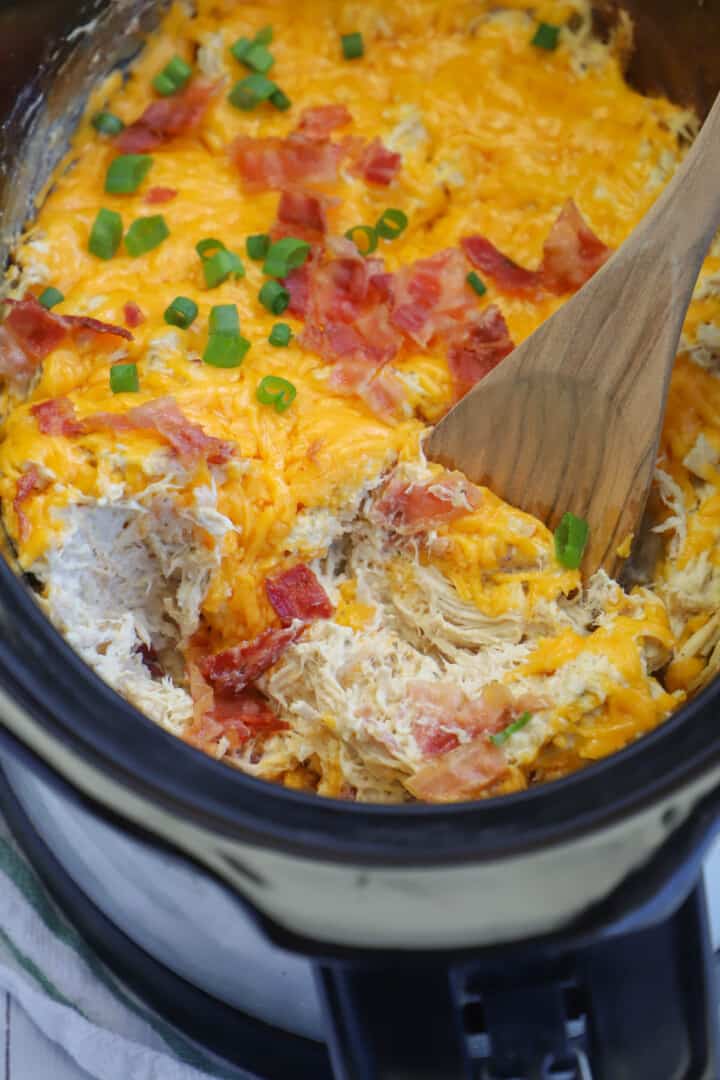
302, 215
237, 718
414, 508
320, 121
376, 164
180, 114
163, 417
462, 773
82, 323
296, 594
133, 315
231, 670
571, 255
431, 297
479, 346
381, 389
297, 284
445, 712
29, 483
273, 164
34, 329
56, 416
151, 660
157, 196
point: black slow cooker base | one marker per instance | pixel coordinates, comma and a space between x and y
254, 1047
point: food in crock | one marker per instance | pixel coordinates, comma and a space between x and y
277, 251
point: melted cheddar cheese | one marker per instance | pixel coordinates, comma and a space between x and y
495, 135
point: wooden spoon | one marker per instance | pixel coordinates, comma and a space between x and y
571, 419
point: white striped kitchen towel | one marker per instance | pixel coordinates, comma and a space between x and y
72, 997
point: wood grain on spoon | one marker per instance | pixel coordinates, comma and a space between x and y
571, 419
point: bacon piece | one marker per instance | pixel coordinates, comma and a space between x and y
479, 347
297, 594
231, 670
157, 196
376, 164
413, 508
381, 389
34, 329
15, 365
163, 417
571, 255
277, 164
297, 284
56, 416
320, 121
151, 660
237, 719
572, 252
432, 738
445, 712
133, 315
508, 276
29, 483
95, 326
462, 773
180, 114
431, 297
303, 215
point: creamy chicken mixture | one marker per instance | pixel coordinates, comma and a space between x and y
278, 249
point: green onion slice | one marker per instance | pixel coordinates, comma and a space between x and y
280, 335
240, 47
106, 234
207, 247
280, 100
50, 297
367, 245
126, 173
107, 123
476, 282
249, 92
517, 725
173, 77
546, 36
272, 390
124, 379
264, 36
257, 246
352, 46
274, 297
391, 223
182, 312
224, 319
225, 350
258, 58
145, 234
571, 537
285, 255
218, 268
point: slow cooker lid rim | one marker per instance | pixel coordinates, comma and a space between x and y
67, 697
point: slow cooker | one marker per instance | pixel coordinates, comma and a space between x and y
557, 933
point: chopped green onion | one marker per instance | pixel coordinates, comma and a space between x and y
145, 234
224, 319
225, 350
272, 390
240, 47
249, 92
370, 242
546, 36
257, 246
517, 725
50, 297
264, 36
126, 173
173, 77
274, 297
280, 335
571, 537
220, 266
182, 312
391, 223
476, 282
280, 100
285, 255
106, 234
207, 247
352, 46
258, 58
107, 123
124, 379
